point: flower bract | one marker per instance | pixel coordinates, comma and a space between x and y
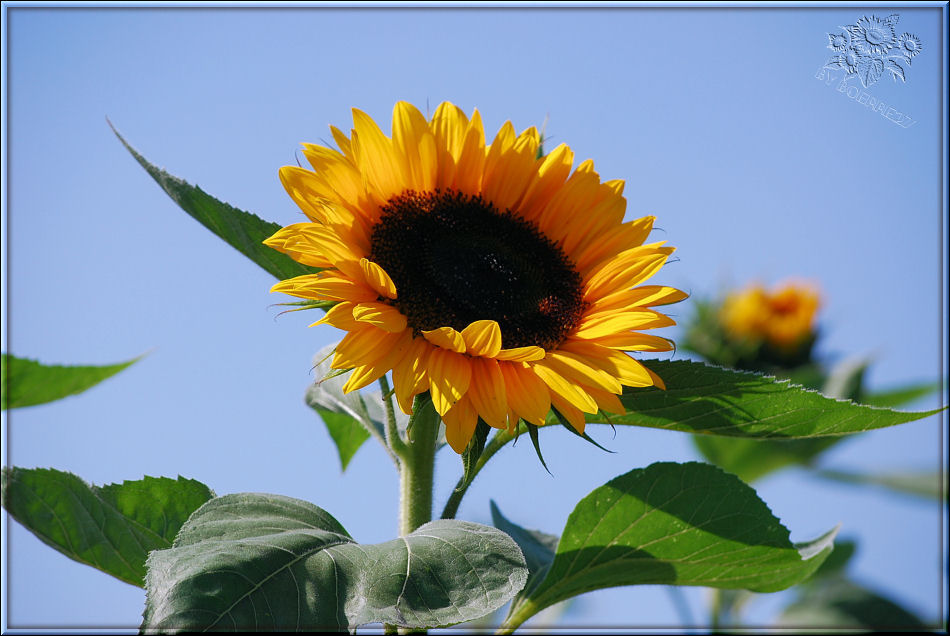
502, 282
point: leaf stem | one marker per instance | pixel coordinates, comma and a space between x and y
393, 438
517, 615
496, 443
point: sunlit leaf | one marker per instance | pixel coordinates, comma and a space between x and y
241, 230
112, 527
252, 562
674, 524
346, 433
28, 382
703, 399
899, 396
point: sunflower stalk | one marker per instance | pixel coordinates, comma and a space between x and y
417, 468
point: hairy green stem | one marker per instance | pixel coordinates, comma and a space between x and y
418, 466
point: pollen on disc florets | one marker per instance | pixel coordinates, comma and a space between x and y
455, 259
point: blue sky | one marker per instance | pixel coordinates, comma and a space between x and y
756, 166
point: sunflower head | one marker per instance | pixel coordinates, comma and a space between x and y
503, 283
781, 320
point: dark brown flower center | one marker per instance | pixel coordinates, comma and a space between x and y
456, 259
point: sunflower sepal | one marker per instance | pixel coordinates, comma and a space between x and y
563, 421
473, 453
536, 443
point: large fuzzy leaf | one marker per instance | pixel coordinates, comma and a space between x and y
675, 524
242, 230
112, 528
28, 382
252, 562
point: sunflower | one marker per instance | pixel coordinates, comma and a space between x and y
783, 318
496, 279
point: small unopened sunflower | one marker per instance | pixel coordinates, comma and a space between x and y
501, 282
784, 318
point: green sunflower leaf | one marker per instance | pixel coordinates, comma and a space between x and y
931, 485
265, 562
671, 524
845, 605
349, 417
28, 382
537, 547
241, 230
113, 527
750, 459
900, 396
703, 399
346, 433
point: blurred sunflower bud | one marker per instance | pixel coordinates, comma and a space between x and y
758, 329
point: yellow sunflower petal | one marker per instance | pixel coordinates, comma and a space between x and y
469, 167
409, 376
553, 171
449, 376
521, 354
560, 385
608, 323
629, 341
327, 285
487, 392
626, 270
573, 415
528, 395
606, 401
344, 143
377, 278
446, 338
575, 368
642, 296
448, 127
363, 375
340, 316
381, 315
482, 338
460, 422
364, 345
509, 173
617, 363
375, 157
413, 141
